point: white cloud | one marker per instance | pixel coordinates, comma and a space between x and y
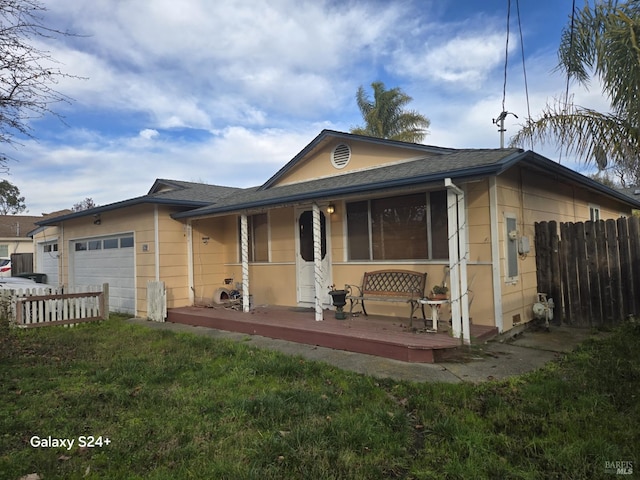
149, 133
228, 91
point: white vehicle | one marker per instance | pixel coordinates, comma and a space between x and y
5, 267
17, 282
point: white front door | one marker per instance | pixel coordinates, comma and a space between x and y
305, 259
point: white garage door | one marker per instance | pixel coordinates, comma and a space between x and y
48, 259
107, 260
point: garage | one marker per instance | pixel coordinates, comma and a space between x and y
95, 261
48, 261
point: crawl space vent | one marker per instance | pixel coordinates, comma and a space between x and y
341, 156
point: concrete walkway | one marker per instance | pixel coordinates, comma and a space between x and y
494, 360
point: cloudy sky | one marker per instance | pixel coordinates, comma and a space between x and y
227, 91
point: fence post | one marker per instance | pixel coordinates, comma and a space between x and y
105, 301
626, 286
614, 270
595, 299
634, 247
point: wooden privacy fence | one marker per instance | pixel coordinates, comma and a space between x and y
590, 269
43, 306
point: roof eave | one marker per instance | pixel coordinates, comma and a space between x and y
463, 174
544, 163
125, 203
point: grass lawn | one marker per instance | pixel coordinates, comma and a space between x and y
181, 406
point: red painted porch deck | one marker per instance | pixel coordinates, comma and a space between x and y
387, 337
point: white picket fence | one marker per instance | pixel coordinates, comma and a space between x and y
42, 306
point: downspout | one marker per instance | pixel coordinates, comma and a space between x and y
190, 274
458, 254
317, 261
156, 240
61, 257
244, 242
495, 254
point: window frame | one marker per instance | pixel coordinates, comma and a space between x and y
252, 238
429, 228
594, 211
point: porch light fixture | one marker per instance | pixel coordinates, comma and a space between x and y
205, 240
331, 209
96, 219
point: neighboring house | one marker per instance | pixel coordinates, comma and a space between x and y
14, 234
15, 238
464, 216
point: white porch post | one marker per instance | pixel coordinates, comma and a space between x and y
244, 241
317, 261
458, 254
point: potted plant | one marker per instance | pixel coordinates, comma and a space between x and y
439, 292
339, 300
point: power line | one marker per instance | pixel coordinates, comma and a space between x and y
506, 55
524, 68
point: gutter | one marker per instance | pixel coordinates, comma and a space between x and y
468, 173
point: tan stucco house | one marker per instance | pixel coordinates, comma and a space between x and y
463, 216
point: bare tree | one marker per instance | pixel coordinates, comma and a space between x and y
28, 75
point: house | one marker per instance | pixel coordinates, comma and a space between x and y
14, 234
125, 244
15, 239
463, 216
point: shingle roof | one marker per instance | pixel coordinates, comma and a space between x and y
17, 226
189, 191
458, 165
454, 164
166, 192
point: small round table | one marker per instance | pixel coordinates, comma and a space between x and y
435, 306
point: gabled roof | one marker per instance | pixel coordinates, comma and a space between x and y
327, 136
163, 192
456, 164
459, 165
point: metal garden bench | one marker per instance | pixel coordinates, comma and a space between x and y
400, 286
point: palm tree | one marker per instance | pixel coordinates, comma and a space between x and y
602, 41
385, 117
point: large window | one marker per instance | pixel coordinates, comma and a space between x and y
405, 227
258, 226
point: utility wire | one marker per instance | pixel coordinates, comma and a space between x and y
506, 57
524, 68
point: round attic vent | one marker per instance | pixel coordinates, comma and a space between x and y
341, 156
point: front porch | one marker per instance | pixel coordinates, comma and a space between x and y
388, 337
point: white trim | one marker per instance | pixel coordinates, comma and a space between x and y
156, 240
458, 254
495, 254
190, 269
